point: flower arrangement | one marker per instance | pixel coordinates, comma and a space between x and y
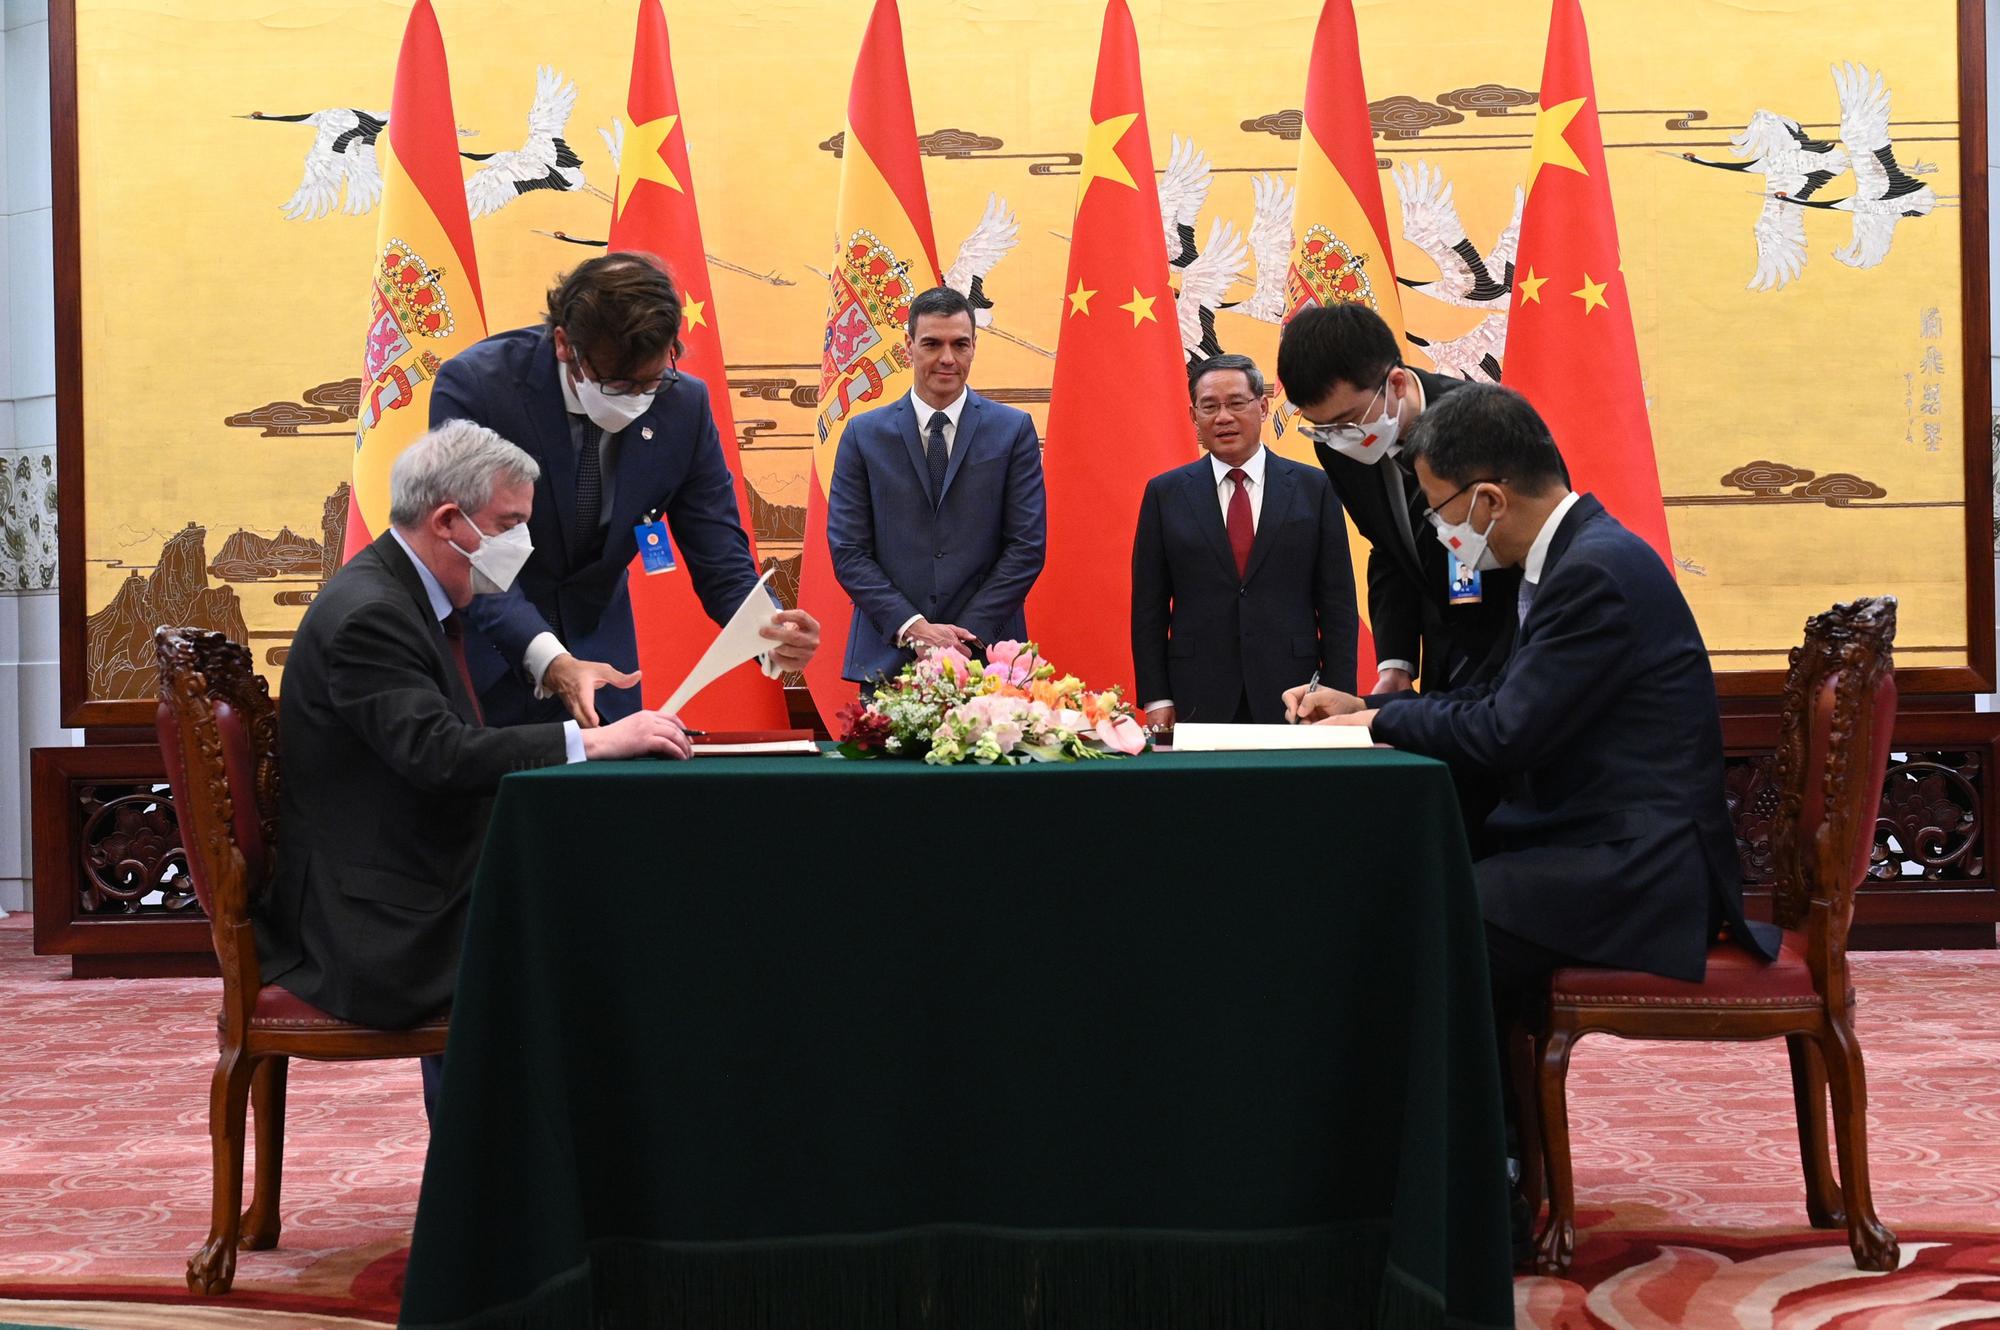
1010, 708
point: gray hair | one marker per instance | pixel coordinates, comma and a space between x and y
458, 462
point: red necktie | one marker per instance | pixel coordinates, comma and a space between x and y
454, 633
1241, 530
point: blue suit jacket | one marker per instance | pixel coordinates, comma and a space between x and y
1206, 637
1615, 845
508, 383
970, 560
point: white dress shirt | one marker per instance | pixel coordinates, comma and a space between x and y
1538, 553
924, 412
441, 606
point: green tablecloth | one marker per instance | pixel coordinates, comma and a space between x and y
1181, 1041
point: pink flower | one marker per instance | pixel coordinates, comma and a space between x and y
1121, 734
1013, 661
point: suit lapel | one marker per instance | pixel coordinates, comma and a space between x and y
913, 442
404, 571
1280, 483
968, 426
542, 405
1198, 491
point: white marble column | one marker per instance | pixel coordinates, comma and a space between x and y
28, 698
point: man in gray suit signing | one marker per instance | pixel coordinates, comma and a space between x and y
936, 515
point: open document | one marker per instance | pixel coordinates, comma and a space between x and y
1195, 737
741, 639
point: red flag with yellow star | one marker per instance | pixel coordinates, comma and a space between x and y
1118, 407
424, 276
654, 212
1340, 243
884, 257
1570, 344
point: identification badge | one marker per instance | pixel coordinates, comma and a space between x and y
654, 547
1464, 588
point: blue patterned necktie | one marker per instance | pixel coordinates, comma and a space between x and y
589, 488
936, 456
1526, 600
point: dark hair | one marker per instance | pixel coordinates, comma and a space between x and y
1218, 364
1486, 432
941, 300
1325, 346
620, 311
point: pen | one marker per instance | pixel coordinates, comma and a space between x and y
695, 734
1312, 686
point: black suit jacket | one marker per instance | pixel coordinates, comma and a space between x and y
387, 783
1205, 637
1409, 610
1614, 844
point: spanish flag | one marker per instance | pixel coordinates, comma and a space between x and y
654, 212
424, 279
1340, 245
1570, 344
884, 256
1118, 406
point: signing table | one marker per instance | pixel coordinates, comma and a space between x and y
1186, 1040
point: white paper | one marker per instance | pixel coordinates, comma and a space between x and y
1196, 737
739, 640
802, 747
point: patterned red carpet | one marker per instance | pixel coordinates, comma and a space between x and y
1687, 1168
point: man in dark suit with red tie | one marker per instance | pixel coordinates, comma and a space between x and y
389, 767
1241, 585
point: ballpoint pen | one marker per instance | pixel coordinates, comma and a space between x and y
1312, 686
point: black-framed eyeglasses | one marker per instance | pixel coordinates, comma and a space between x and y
638, 388
1431, 510
1353, 431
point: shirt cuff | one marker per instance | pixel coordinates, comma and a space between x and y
572, 741
541, 654
1402, 665
902, 641
1155, 706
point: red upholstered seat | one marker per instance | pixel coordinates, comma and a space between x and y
1735, 979
281, 1009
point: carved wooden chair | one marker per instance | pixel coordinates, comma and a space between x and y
219, 733
1833, 748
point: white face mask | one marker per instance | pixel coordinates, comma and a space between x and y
498, 559
1465, 544
1371, 440
607, 412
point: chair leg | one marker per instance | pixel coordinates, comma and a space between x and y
1522, 1048
1823, 1208
267, 1110
1874, 1246
1556, 1246
212, 1269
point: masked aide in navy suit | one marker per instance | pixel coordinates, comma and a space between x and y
1613, 845
390, 768
592, 394
936, 516
1241, 585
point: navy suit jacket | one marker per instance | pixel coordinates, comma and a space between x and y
969, 560
1614, 844
1205, 637
669, 459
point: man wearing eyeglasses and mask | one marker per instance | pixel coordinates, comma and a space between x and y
1432, 619
593, 395
1241, 582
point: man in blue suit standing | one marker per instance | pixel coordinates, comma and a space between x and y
621, 437
936, 515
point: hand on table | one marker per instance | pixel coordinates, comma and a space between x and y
641, 734
1302, 706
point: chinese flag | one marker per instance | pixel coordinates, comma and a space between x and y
424, 285
1570, 346
1118, 407
1340, 242
654, 212
884, 256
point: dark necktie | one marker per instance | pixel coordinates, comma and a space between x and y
1525, 601
936, 457
454, 635
1242, 531
589, 488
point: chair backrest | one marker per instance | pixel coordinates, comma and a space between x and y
1838, 717
219, 734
